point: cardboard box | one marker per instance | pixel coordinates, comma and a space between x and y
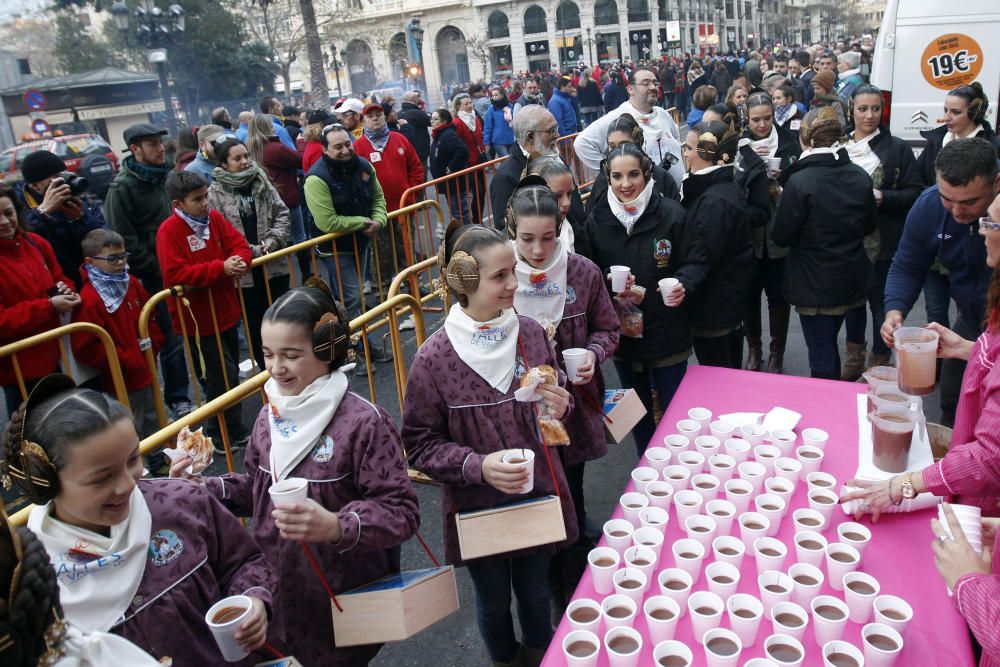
623, 409
290, 661
511, 527
395, 607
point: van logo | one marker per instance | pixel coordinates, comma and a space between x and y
920, 116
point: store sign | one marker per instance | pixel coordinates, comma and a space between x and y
673, 31
122, 110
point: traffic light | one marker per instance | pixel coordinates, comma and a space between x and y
414, 71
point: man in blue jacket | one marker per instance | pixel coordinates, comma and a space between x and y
944, 224
561, 106
498, 133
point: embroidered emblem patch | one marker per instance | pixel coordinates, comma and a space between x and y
661, 252
165, 547
488, 336
286, 427
323, 451
570, 294
540, 285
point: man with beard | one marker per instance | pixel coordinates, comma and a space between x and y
531, 95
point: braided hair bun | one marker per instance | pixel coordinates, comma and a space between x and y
717, 142
313, 307
821, 128
458, 256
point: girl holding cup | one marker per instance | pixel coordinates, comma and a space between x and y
144, 559
360, 506
460, 418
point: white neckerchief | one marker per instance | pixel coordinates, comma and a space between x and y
99, 649
861, 153
567, 237
951, 136
826, 150
541, 293
469, 118
628, 213
770, 141
489, 347
98, 576
297, 422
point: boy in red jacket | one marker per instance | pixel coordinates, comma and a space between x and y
197, 247
113, 299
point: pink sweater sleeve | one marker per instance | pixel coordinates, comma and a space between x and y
977, 598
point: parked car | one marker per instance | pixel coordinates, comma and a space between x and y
86, 154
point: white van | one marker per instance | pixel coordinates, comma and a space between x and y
926, 48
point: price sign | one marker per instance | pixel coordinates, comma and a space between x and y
951, 60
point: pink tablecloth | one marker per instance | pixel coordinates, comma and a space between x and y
899, 555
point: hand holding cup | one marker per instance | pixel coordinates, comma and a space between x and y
955, 558
509, 478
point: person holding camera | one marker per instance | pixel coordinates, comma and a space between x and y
58, 209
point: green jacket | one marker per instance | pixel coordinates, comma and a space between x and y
135, 208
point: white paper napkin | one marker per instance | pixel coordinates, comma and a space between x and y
781, 418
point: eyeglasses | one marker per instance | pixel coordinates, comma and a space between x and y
113, 259
987, 225
552, 131
649, 83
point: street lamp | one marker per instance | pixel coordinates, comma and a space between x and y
336, 64
155, 30
590, 47
416, 34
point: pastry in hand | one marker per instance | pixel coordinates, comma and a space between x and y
198, 446
543, 374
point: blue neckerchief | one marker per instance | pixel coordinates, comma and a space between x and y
111, 287
198, 224
378, 138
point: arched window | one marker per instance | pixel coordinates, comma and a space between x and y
638, 10
360, 67
453, 57
534, 20
606, 12
496, 26
567, 16
399, 57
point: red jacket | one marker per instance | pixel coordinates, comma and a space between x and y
28, 269
282, 165
186, 260
398, 166
474, 142
312, 152
123, 325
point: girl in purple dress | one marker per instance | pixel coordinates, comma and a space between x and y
144, 559
361, 505
460, 417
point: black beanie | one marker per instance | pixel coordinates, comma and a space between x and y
40, 165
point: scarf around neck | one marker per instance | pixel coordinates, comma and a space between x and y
252, 177
783, 112
770, 142
861, 153
469, 118
488, 348
628, 213
98, 576
199, 224
378, 138
297, 422
111, 287
541, 292
151, 173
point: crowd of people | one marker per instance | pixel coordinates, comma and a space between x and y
785, 184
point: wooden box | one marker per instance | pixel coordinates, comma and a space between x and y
623, 409
395, 607
511, 527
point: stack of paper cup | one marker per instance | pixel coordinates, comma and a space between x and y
574, 357
970, 518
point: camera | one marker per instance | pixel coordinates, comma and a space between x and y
78, 185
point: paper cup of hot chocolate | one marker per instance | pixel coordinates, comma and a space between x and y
660, 494
693, 461
701, 529
809, 519
823, 501
753, 472
766, 455
829, 615
705, 609
788, 468
774, 587
840, 559
773, 507
662, 613
655, 517
631, 503
619, 278
676, 584
525, 458
821, 480
618, 611
623, 645
754, 433
745, 613
769, 553
811, 459
860, 590
788, 618
642, 558
707, 485
893, 611
724, 512
603, 562
687, 503
674, 653
667, 287
689, 428
723, 578
810, 547
784, 650
722, 648
815, 437
289, 490
784, 440
729, 549
722, 466
808, 583
630, 582
782, 488
707, 445
677, 443
855, 534
581, 648
676, 476
752, 526
739, 492
842, 654
224, 619
881, 645
688, 556
642, 476
649, 537
738, 448
618, 534
721, 429
574, 357
658, 458
584, 614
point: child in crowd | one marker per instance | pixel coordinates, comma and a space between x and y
142, 559
197, 247
112, 299
361, 505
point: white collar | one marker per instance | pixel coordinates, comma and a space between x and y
628, 213
489, 348
826, 150
297, 422
541, 292
710, 169
951, 136
848, 74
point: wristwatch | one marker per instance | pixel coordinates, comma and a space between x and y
909, 493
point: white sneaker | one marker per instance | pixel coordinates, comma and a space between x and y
407, 324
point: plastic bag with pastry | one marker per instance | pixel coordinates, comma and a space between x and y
196, 445
629, 315
552, 430
535, 376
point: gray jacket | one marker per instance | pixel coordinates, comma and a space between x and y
273, 225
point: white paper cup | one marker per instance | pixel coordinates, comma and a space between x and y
701, 415
701, 528
815, 437
745, 613
773, 507
667, 285
707, 485
776, 644
811, 458
650, 537
687, 503
842, 648
630, 582
781, 487
603, 561
693, 461
893, 611
620, 656
574, 357
738, 448
821, 480
723, 578
705, 609
688, 555
860, 590
840, 559
754, 433
676, 584
584, 614
724, 512
676, 476
689, 428
810, 547
677, 443
808, 583
618, 611
658, 458
289, 490
641, 558
722, 466
719, 644
618, 534
769, 553
784, 440
759, 525
829, 616
673, 649
759, 662
823, 501
619, 278
789, 618
642, 476
729, 549
876, 654
774, 587
516, 456
788, 468
753, 472
855, 534
581, 648
740, 493
809, 519
707, 445
631, 503
662, 613
654, 516
721, 429
225, 627
766, 455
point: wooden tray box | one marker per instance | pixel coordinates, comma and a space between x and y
395, 607
625, 409
519, 525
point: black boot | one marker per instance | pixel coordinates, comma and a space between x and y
778, 317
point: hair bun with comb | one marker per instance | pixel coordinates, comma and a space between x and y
331, 338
